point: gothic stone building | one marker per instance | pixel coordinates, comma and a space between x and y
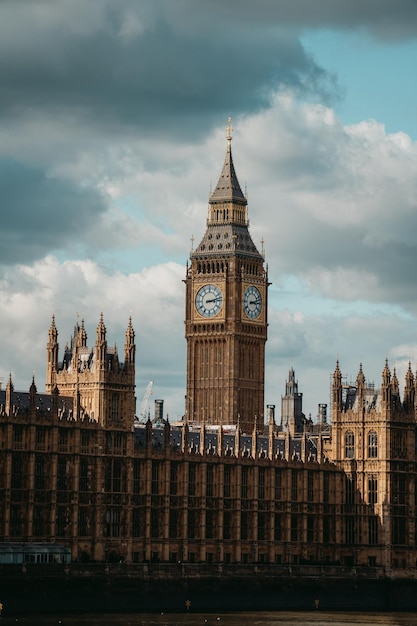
76, 470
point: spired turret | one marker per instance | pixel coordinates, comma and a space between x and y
292, 416
101, 344
130, 348
9, 395
409, 390
336, 391
103, 389
52, 351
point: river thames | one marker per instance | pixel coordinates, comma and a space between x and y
315, 618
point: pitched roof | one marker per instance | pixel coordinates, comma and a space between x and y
228, 188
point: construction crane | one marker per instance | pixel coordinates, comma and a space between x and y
144, 405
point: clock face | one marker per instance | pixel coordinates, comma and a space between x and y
252, 302
209, 300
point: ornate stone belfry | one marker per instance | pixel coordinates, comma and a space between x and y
226, 312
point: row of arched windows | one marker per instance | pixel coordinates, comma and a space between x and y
212, 267
350, 445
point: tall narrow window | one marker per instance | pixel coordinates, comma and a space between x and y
294, 527
278, 481
310, 486
349, 490
373, 530
115, 407
209, 480
227, 525
136, 514
173, 524
349, 445
61, 521
372, 445
39, 473
294, 485
227, 481
277, 527
191, 479
155, 523
18, 437
82, 521
155, 478
17, 471
173, 479
350, 529
244, 486
136, 476
262, 526
192, 524
310, 528
244, 525
261, 483
372, 490
83, 476
326, 487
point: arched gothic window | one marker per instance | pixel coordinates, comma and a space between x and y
349, 445
372, 445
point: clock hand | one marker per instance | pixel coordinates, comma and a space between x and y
213, 300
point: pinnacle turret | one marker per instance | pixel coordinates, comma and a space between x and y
82, 336
101, 330
130, 348
360, 379
53, 333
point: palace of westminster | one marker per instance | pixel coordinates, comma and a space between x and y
230, 483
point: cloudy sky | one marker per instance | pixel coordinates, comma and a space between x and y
112, 129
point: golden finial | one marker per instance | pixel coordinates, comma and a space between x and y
229, 130
192, 242
262, 244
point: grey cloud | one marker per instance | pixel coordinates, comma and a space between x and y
41, 214
163, 78
324, 246
388, 19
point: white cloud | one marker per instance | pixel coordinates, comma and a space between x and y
81, 289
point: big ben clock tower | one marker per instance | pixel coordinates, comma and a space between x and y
226, 313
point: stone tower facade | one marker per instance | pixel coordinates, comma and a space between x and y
226, 313
102, 387
373, 442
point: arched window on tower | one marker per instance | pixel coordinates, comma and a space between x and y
349, 445
115, 407
372, 445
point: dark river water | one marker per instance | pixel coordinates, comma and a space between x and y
313, 618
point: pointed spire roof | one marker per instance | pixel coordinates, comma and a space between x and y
409, 376
360, 379
130, 333
101, 329
53, 333
227, 232
10, 383
386, 374
394, 381
82, 335
337, 374
228, 187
